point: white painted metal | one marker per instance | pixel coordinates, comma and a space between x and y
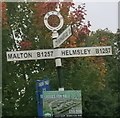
59, 53
63, 36
51, 27
30, 55
58, 62
84, 51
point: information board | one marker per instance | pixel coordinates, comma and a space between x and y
62, 103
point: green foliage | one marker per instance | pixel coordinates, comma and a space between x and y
19, 78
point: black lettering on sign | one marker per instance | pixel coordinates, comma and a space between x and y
103, 51
30, 55
108, 49
9, 56
38, 54
75, 52
50, 53
19, 55
97, 51
45, 54
63, 52
25, 55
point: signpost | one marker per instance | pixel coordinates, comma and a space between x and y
30, 55
58, 103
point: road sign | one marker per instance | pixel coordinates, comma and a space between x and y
30, 55
62, 104
84, 51
61, 52
63, 36
41, 85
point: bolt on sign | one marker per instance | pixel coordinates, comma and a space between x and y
62, 103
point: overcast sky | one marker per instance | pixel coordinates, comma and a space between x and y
102, 14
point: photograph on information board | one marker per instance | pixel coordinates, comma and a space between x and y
62, 103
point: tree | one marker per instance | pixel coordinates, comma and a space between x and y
97, 77
105, 99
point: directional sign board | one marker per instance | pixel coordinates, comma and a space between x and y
61, 52
30, 55
63, 36
84, 51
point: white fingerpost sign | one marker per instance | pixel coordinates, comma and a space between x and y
63, 36
59, 53
84, 51
30, 55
